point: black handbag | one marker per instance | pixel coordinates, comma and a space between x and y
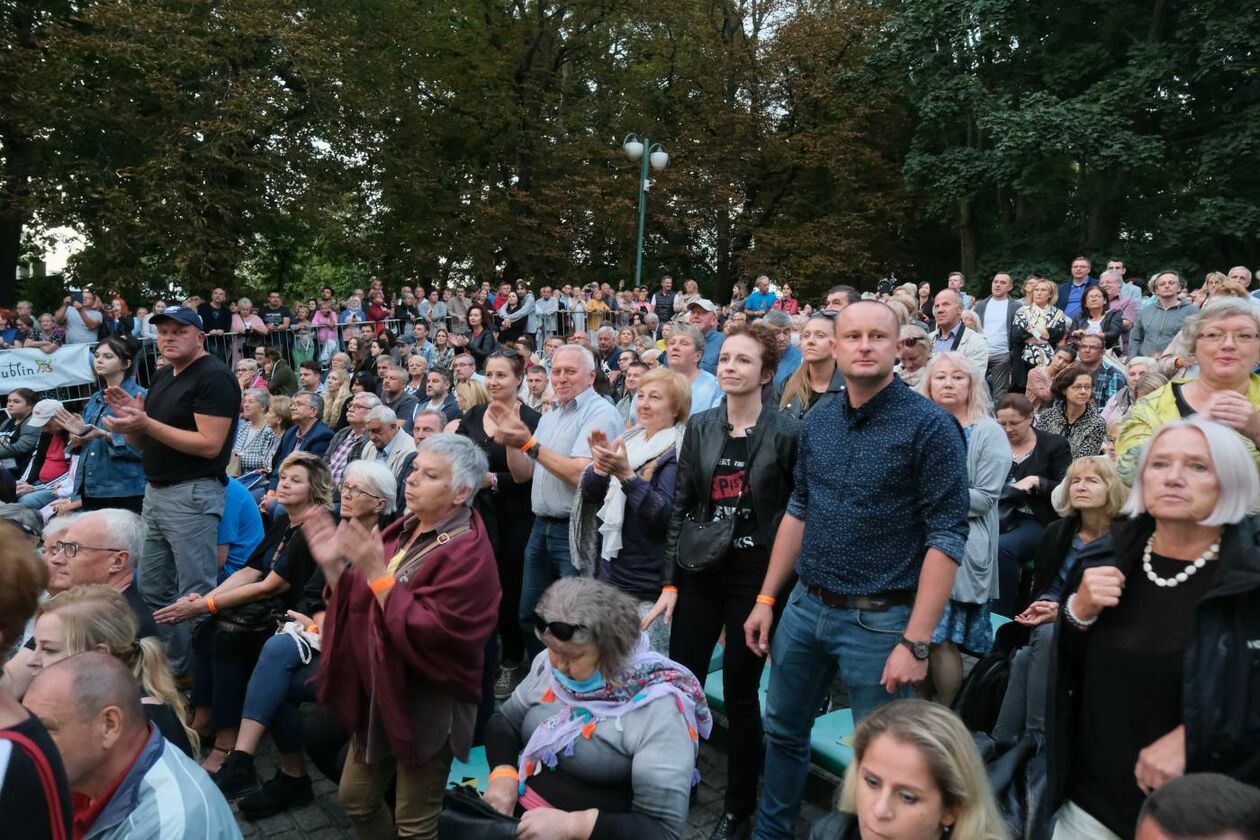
703, 545
255, 617
466, 816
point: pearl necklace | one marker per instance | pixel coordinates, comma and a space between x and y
1182, 576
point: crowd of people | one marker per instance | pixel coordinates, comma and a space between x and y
392, 528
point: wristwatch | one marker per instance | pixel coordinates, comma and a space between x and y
533, 450
920, 650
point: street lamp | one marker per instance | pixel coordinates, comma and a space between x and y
658, 158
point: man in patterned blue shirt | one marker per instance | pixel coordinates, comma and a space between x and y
874, 529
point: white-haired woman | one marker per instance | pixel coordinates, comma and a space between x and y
404, 638
600, 740
1155, 666
956, 385
248, 330
1224, 339
256, 441
916, 775
284, 677
1122, 401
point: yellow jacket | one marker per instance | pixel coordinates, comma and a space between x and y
1156, 409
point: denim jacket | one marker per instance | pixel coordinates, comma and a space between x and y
108, 467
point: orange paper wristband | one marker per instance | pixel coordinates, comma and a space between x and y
210, 605
527, 444
768, 600
504, 772
381, 584
669, 588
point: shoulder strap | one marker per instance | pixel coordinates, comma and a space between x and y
405, 570
962, 328
47, 779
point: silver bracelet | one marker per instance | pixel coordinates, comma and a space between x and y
1073, 619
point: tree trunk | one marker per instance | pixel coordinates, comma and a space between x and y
968, 238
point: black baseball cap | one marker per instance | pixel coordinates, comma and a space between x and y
181, 315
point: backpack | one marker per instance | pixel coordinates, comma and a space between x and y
980, 698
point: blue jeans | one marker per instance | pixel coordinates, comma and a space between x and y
38, 497
547, 560
812, 641
279, 685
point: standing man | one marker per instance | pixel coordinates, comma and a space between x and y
457, 311
838, 297
277, 317
1112, 284
554, 458
216, 316
952, 334
663, 302
395, 396
761, 301
1158, 323
82, 318
703, 315
1072, 292
997, 318
869, 595
1128, 291
547, 309
184, 429
957, 281
780, 323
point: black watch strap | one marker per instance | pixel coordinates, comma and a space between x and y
920, 650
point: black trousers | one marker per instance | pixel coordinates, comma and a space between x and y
722, 597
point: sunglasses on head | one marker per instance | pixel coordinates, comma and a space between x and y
505, 353
561, 630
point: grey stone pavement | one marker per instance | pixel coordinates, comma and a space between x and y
323, 819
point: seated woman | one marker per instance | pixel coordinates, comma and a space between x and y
245, 607
1089, 498
1154, 668
1072, 414
1121, 401
96, 617
404, 638
600, 739
916, 774
284, 677
620, 535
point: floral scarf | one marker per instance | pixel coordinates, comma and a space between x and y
646, 677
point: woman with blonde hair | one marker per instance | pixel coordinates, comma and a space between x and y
337, 387
471, 393
1038, 328
916, 774
955, 384
97, 617
818, 376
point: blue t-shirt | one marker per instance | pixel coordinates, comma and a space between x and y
241, 527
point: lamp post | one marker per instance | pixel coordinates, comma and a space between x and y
659, 159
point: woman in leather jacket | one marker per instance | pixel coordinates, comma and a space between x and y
1155, 670
736, 460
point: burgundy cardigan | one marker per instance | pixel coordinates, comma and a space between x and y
428, 638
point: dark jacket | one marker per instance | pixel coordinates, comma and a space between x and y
772, 457
316, 442
405, 408
282, 379
481, 346
1112, 326
1049, 460
1065, 291
798, 407
1221, 665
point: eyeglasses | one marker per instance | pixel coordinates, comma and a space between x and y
561, 630
71, 550
350, 492
1217, 336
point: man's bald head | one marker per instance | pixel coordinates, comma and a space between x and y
869, 312
866, 342
94, 681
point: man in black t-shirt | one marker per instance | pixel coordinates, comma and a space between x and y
216, 317
278, 318
184, 427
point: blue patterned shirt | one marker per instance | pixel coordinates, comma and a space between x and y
876, 487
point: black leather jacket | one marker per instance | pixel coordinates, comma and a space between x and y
772, 457
1220, 692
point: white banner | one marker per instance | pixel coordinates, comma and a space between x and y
40, 371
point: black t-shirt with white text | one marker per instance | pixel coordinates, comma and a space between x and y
728, 478
206, 386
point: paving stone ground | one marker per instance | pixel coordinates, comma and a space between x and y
323, 819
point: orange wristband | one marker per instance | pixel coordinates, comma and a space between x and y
768, 600
381, 584
504, 772
673, 589
210, 605
313, 629
527, 444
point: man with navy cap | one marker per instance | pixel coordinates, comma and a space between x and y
184, 428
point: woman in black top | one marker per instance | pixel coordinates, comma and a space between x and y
32, 807
513, 331
1154, 673
245, 609
18, 438
741, 439
1039, 460
480, 340
504, 506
